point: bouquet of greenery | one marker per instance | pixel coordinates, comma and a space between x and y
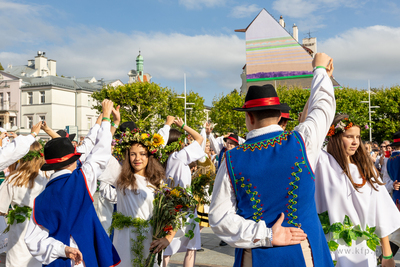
202, 185
171, 208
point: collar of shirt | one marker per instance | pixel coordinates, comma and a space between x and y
264, 130
58, 173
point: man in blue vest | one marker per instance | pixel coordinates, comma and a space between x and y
64, 229
263, 199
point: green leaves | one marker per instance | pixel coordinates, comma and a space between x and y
18, 214
347, 232
225, 117
333, 246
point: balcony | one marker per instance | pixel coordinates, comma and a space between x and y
5, 106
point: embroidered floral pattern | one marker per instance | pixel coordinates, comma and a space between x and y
266, 143
293, 201
253, 194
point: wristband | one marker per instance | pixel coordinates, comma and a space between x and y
114, 125
106, 119
183, 125
387, 257
319, 67
34, 133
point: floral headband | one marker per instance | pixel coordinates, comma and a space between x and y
152, 142
340, 127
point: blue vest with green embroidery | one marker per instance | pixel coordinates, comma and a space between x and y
270, 174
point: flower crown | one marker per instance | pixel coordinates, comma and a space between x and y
152, 142
340, 127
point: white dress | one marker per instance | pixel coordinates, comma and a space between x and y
178, 169
18, 254
335, 193
137, 204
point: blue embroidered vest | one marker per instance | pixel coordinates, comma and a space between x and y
270, 174
393, 169
221, 155
66, 209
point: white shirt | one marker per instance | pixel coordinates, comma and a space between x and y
234, 229
15, 150
47, 249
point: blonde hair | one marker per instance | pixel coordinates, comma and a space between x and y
28, 170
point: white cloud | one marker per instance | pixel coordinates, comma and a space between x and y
305, 8
197, 4
244, 11
358, 57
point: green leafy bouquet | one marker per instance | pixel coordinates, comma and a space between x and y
171, 208
202, 186
347, 231
18, 214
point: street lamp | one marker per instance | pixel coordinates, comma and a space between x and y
370, 111
184, 97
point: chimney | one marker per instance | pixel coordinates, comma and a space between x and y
282, 22
52, 67
295, 32
31, 62
41, 64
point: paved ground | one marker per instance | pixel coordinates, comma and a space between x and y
213, 254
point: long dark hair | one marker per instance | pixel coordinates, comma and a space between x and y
154, 172
360, 158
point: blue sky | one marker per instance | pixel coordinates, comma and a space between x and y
196, 37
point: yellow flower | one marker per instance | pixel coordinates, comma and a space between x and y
144, 136
157, 140
175, 192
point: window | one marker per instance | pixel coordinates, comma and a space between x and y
30, 121
89, 122
1, 100
30, 99
8, 96
42, 118
42, 97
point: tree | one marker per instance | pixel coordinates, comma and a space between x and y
1, 67
194, 117
228, 120
144, 103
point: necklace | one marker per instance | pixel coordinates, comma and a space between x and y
363, 182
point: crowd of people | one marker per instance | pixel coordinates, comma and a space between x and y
314, 196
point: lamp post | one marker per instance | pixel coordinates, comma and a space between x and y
184, 97
370, 111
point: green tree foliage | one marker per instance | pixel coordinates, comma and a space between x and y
148, 104
196, 116
386, 119
227, 119
144, 103
1, 67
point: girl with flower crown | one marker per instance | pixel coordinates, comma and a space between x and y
355, 209
178, 174
135, 181
19, 190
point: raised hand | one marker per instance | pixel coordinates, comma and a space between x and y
116, 115
107, 107
178, 122
285, 236
208, 128
322, 59
36, 128
170, 120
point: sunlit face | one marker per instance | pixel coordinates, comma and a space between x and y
230, 144
139, 158
351, 140
368, 147
207, 149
